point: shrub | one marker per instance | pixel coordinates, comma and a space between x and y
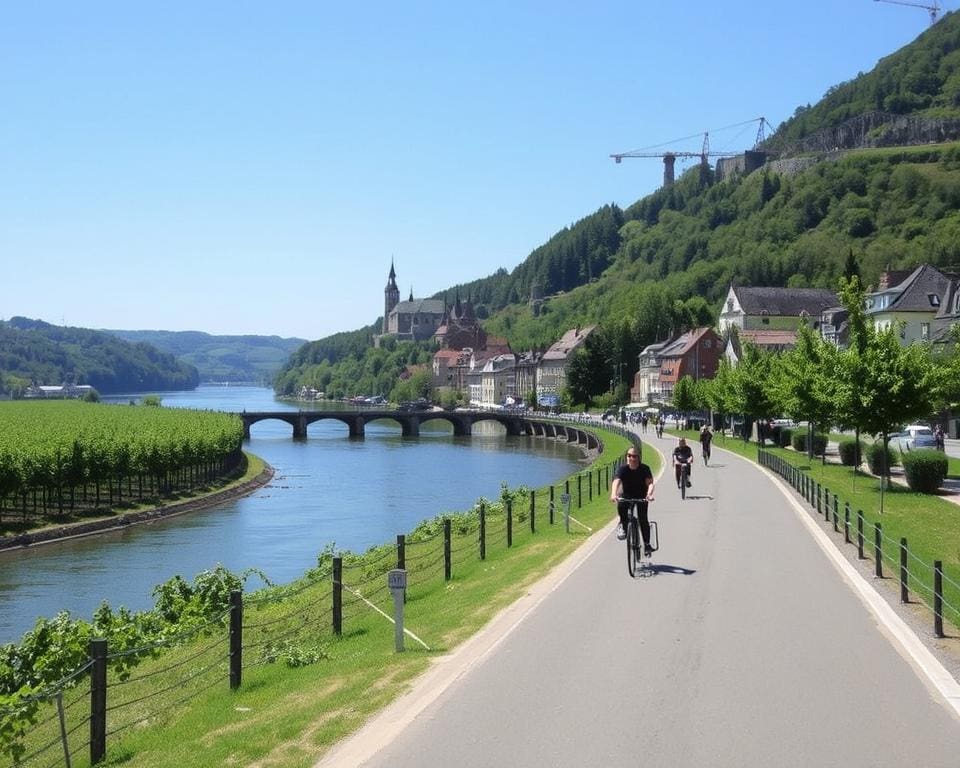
925, 469
783, 436
875, 459
849, 452
799, 442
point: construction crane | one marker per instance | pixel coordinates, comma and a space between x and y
670, 156
933, 10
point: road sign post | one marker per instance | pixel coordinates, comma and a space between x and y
397, 581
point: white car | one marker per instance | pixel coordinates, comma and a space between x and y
913, 436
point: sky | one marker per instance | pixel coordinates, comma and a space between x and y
242, 167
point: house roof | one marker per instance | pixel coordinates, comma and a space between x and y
765, 338
433, 306
789, 302
923, 290
682, 344
568, 343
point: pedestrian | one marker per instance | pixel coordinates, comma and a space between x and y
938, 436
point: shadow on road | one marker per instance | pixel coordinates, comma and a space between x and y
674, 569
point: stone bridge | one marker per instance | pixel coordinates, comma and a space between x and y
411, 421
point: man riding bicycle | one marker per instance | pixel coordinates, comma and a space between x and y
633, 480
683, 455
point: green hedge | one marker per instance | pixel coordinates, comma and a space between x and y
799, 441
849, 453
875, 454
925, 469
782, 436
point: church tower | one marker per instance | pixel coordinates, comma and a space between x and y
391, 297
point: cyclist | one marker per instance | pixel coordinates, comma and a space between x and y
682, 454
706, 437
633, 480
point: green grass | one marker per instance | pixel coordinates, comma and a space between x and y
288, 718
929, 523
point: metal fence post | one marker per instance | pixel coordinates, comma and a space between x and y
401, 551
878, 548
819, 494
846, 522
552, 505
860, 534
509, 523
836, 514
483, 532
337, 595
938, 598
98, 700
589, 486
579, 490
447, 564
236, 638
904, 572
533, 511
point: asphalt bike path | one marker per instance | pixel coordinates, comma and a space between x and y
748, 646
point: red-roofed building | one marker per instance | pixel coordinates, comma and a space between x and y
695, 353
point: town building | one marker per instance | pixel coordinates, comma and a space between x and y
552, 376
646, 381
774, 309
695, 353
769, 341
911, 301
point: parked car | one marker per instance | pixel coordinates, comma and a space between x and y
913, 436
420, 404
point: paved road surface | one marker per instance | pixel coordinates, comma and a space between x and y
747, 648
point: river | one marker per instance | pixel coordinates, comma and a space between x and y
327, 489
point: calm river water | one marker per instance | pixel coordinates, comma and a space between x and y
355, 493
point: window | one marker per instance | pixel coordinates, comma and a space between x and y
765, 320
729, 305
707, 343
924, 331
934, 299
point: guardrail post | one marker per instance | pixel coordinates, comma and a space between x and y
860, 534
938, 598
904, 572
509, 523
533, 511
878, 548
337, 595
483, 532
836, 514
447, 563
236, 638
98, 700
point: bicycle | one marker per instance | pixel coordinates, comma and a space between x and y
706, 454
635, 553
684, 478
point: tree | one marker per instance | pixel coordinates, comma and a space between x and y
899, 385
685, 395
750, 391
850, 368
803, 383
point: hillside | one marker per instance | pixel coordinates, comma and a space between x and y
221, 358
34, 352
663, 264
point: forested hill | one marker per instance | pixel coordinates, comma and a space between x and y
34, 352
921, 80
219, 357
664, 263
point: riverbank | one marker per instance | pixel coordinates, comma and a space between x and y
236, 489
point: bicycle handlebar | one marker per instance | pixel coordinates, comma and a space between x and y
633, 501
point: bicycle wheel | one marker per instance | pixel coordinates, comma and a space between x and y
633, 545
683, 483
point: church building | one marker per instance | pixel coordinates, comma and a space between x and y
413, 319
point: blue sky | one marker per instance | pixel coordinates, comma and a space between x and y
249, 167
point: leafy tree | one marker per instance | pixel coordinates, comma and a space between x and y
751, 391
685, 395
803, 383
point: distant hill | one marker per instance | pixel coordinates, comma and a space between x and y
35, 352
221, 358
